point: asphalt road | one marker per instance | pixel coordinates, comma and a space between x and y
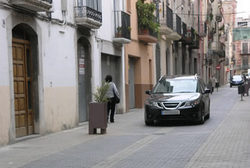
222, 141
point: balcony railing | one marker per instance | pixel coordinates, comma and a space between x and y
34, 5
122, 27
177, 25
170, 18
88, 17
147, 36
184, 30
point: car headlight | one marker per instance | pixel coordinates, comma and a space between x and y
193, 102
154, 104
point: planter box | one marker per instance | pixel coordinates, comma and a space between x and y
97, 117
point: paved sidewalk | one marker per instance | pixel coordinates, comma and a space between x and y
229, 145
23, 152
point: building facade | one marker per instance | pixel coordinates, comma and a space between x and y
139, 58
241, 52
55, 55
38, 68
229, 7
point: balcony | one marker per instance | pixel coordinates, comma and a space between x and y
176, 34
218, 49
195, 40
122, 27
88, 17
190, 36
148, 26
166, 23
184, 32
34, 5
147, 36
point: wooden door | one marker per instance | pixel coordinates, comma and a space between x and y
22, 88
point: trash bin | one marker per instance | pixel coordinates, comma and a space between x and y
241, 89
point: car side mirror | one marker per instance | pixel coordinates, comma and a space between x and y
207, 91
148, 92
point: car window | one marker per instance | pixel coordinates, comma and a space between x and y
176, 86
237, 77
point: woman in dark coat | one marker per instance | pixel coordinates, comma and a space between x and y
110, 95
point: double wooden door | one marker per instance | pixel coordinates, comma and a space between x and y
24, 118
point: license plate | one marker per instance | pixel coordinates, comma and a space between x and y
170, 112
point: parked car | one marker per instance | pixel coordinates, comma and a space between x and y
236, 80
178, 98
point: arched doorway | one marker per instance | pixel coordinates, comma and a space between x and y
25, 68
84, 78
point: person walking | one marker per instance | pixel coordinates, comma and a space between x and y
213, 80
111, 94
215, 83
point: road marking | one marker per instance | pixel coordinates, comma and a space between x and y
116, 158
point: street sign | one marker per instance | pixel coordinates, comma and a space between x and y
218, 67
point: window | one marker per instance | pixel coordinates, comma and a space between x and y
244, 49
95, 4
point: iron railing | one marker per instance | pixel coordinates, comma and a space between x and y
85, 11
122, 25
184, 30
169, 18
177, 24
49, 1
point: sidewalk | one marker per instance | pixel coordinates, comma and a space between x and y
25, 151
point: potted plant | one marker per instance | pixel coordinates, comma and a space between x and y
98, 110
146, 17
119, 31
129, 28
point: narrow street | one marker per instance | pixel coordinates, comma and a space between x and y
221, 142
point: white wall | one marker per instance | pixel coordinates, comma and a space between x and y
4, 82
106, 31
4, 65
59, 55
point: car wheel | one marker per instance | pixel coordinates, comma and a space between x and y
208, 114
202, 117
149, 123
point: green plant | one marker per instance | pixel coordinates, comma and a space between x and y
146, 17
100, 95
119, 29
129, 28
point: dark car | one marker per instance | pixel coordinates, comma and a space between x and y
178, 98
236, 80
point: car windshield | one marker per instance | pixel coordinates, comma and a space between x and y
176, 86
237, 78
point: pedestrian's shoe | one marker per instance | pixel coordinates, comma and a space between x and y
112, 121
